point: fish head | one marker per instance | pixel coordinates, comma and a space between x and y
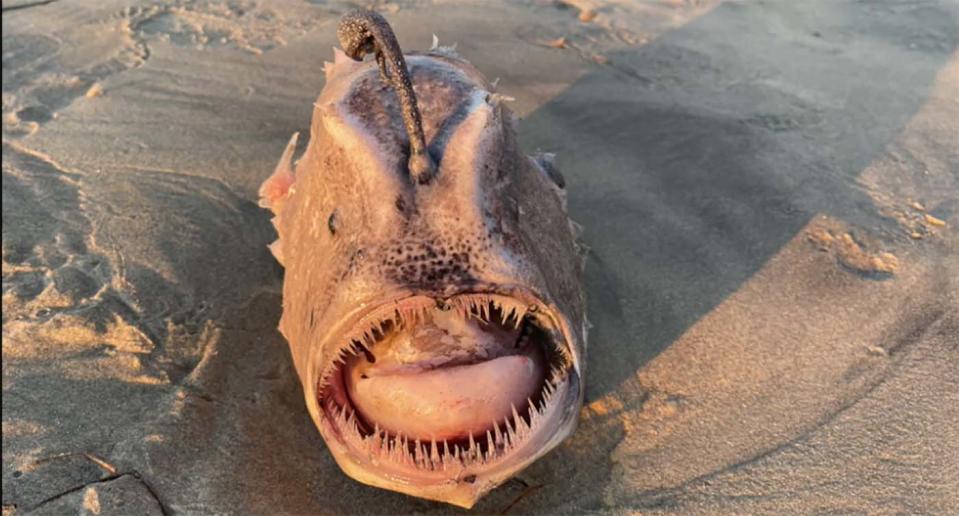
438, 326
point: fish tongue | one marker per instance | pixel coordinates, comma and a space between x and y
449, 402
444, 378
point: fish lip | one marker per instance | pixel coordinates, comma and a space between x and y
442, 487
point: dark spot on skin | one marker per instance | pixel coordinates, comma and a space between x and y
331, 223
401, 204
17, 474
363, 376
469, 479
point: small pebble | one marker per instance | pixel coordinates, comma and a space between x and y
95, 91
587, 15
933, 221
556, 43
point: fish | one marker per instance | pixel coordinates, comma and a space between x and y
433, 293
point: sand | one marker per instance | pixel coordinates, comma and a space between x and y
770, 193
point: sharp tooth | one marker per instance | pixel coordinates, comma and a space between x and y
472, 452
548, 390
490, 446
522, 428
372, 442
351, 422
497, 434
447, 458
434, 453
410, 456
510, 429
520, 315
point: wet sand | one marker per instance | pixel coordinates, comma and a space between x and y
769, 191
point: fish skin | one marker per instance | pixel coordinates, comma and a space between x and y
356, 230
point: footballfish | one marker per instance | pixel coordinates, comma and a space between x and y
433, 297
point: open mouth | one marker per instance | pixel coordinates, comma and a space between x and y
425, 385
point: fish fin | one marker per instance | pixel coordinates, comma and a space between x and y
276, 250
544, 161
437, 50
277, 186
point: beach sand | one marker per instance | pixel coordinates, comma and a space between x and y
769, 191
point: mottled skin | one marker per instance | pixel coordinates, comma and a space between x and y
363, 32
362, 227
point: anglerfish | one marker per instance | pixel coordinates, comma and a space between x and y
433, 297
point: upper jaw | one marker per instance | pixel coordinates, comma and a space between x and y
366, 313
464, 480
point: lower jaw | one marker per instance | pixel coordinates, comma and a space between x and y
460, 482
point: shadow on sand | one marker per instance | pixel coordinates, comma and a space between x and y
692, 160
